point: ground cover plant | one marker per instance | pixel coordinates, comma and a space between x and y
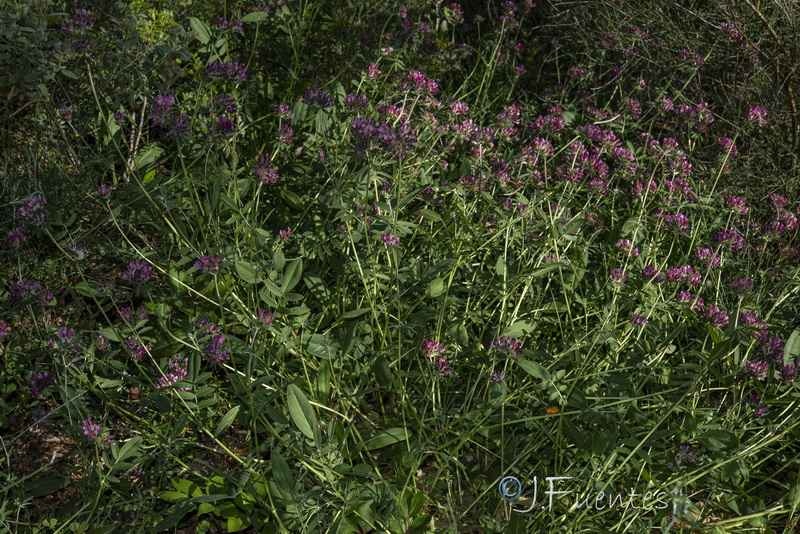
360, 267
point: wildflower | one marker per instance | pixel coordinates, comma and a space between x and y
214, 352
389, 239
498, 376
730, 238
137, 350
208, 264
80, 251
39, 381
224, 127
66, 113
27, 291
758, 369
684, 274
226, 102
373, 71
177, 370
684, 297
508, 346
33, 213
90, 430
355, 101
708, 257
317, 97
102, 342
651, 273
757, 116
458, 109
743, 286
728, 146
788, 372
760, 411
285, 134
284, 234
17, 236
455, 12
718, 317
231, 70
752, 320
283, 112
626, 246
618, 276
666, 104
179, 126
444, 367
265, 318
432, 348
639, 320
161, 105
4, 330
105, 191
207, 326
265, 170
771, 348
679, 221
81, 21
634, 107
139, 272
753, 400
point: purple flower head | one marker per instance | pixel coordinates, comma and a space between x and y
80, 251
161, 105
771, 348
229, 70
17, 236
443, 367
433, 349
105, 191
758, 369
265, 318
708, 258
788, 372
28, 291
684, 298
179, 126
283, 111
679, 222
717, 317
82, 20
684, 274
66, 113
224, 127
4, 330
264, 170
284, 234
90, 430
760, 411
33, 213
136, 348
139, 272
618, 276
177, 370
625, 245
206, 326
389, 239
208, 264
458, 109
652, 273
639, 320
728, 146
317, 97
498, 376
355, 101
214, 352
40, 381
757, 116
736, 205
373, 71
507, 346
285, 134
743, 286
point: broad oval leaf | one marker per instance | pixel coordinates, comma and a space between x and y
226, 421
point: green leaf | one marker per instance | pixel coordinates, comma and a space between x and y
278, 259
383, 373
246, 271
174, 518
255, 16
519, 328
86, 290
129, 449
147, 156
534, 369
385, 438
292, 200
717, 440
226, 421
301, 411
149, 176
292, 274
281, 473
203, 35
323, 381
111, 333
436, 287
430, 215
792, 348
500, 266
353, 313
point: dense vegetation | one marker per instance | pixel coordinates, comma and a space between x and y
355, 266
